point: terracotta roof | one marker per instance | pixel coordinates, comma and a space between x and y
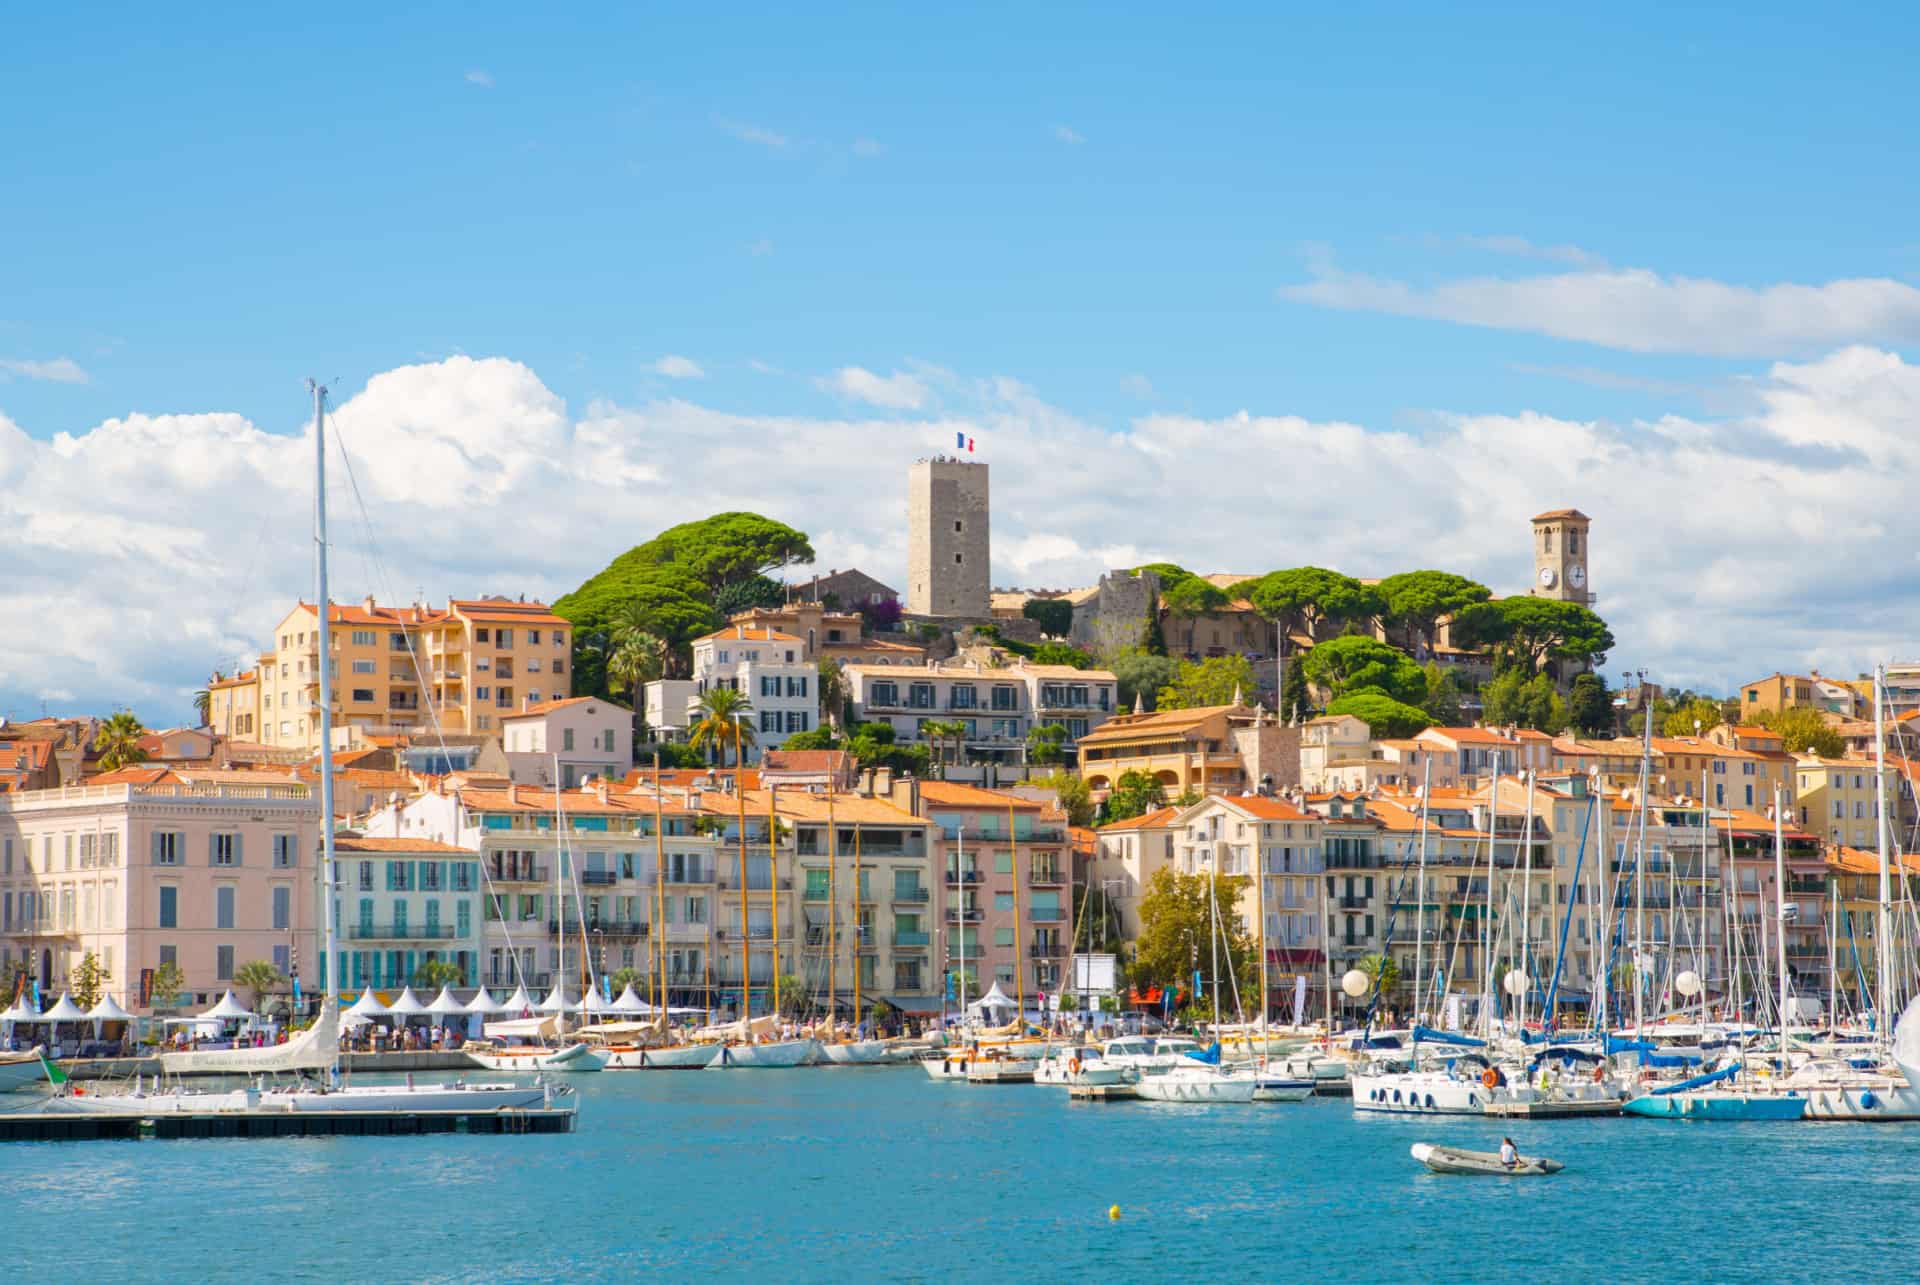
1473, 735
547, 707
955, 795
1266, 808
1561, 513
1858, 861
137, 776
1065, 671
377, 844
805, 760
506, 610
748, 633
245, 678
804, 805
1145, 821
1127, 727
29, 756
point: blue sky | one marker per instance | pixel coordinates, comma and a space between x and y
1390, 216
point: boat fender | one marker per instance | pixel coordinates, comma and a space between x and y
1490, 1078
1867, 1101
1600, 1074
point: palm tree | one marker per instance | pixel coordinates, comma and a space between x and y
203, 706
1383, 971
723, 716
941, 733
435, 973
118, 741
635, 623
260, 977
638, 659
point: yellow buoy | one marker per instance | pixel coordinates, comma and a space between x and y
1113, 1212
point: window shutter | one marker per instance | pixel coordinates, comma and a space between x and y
213, 841
237, 838
156, 838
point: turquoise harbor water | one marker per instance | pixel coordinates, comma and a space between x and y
883, 1174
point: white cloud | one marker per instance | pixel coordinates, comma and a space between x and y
898, 391
1067, 134
1521, 248
60, 370
868, 147
1137, 385
1640, 310
755, 134
674, 366
479, 79
153, 547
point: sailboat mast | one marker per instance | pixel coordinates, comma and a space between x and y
329, 973
1019, 941
1526, 896
773, 889
1260, 911
660, 887
1780, 901
1486, 923
1883, 926
560, 898
859, 929
740, 805
1640, 861
959, 924
1420, 895
833, 916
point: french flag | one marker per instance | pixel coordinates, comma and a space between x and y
961, 442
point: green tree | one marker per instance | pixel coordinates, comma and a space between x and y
1074, 796
1537, 631
1141, 674
1098, 920
1046, 744
745, 595
1356, 661
203, 706
634, 663
118, 741
793, 1000
1802, 730
260, 977
1212, 681
1154, 638
1188, 600
1590, 709
168, 984
89, 979
1515, 697
1053, 615
1442, 701
814, 738
1296, 702
1382, 972
1415, 602
625, 977
432, 974
1176, 934
1385, 717
1059, 653
722, 724
1306, 600
1680, 720
946, 738
1134, 794
833, 692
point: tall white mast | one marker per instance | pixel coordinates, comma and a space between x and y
1420, 894
1488, 980
1260, 910
1883, 927
329, 972
1780, 903
1526, 897
1640, 861
560, 899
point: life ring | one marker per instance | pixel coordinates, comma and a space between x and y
1074, 1066
1599, 1074
1490, 1078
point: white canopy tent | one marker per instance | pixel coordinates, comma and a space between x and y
628, 1002
368, 1005
594, 1002
64, 1010
994, 1001
557, 1001
519, 1002
407, 1005
484, 1002
445, 1005
228, 1009
107, 1011
20, 1011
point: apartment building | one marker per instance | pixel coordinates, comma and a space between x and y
398, 669
996, 706
206, 875
28, 765
1778, 691
1008, 908
577, 867
1183, 749
1839, 799
401, 904
581, 738
771, 669
1126, 857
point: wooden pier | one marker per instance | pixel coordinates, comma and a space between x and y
51, 1126
1010, 1070
1553, 1110
1102, 1092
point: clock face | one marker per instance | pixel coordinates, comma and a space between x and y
1546, 577
1577, 575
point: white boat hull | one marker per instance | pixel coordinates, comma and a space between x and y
1418, 1093
1281, 1088
1182, 1085
573, 1059
22, 1072
857, 1053
950, 1067
680, 1057
390, 1099
766, 1057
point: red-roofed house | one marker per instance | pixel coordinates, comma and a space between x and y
770, 668
28, 765
1241, 834
580, 738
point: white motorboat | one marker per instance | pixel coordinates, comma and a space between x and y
947, 1065
1432, 1092
772, 1056
1272, 1083
1082, 1064
574, 1058
856, 1053
1198, 1082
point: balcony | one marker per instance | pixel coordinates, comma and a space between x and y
963, 915
1047, 916
1047, 877
912, 940
1355, 903
1046, 950
690, 875
910, 896
605, 927
755, 883
523, 874
400, 932
956, 877
598, 878
956, 951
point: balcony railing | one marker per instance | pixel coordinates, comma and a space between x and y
1355, 903
400, 932
598, 878
503, 982
961, 915
955, 951
1046, 950
523, 874
606, 927
963, 876
912, 940
1047, 916
1047, 877
910, 895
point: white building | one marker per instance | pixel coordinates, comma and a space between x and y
997, 707
668, 711
770, 669
587, 736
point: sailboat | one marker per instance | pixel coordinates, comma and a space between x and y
316, 1049
1199, 1076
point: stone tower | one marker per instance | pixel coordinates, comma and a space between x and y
947, 539
1560, 556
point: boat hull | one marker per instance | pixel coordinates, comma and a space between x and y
22, 1072
388, 1099
1454, 1160
857, 1053
680, 1057
1718, 1106
1418, 1094
949, 1068
778, 1056
574, 1059
1280, 1088
1180, 1088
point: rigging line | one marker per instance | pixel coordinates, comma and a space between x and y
383, 579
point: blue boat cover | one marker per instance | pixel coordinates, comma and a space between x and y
1210, 1055
1672, 1059
1699, 1081
1428, 1035
1617, 1045
1562, 1053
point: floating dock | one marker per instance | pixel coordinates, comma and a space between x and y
53, 1126
1553, 1110
1102, 1092
1341, 1088
1000, 1071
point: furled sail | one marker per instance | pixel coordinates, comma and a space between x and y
313, 1049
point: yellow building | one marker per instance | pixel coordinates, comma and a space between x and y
1838, 799
399, 669
1183, 749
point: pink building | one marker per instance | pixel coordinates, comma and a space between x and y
208, 872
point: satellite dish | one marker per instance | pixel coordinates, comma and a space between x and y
1687, 983
1355, 983
1515, 983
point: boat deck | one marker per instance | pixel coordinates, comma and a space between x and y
1553, 1110
49, 1126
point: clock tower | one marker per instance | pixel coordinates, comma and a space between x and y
1560, 557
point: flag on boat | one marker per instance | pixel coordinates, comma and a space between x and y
961, 442
54, 1074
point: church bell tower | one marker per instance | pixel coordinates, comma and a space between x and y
1560, 556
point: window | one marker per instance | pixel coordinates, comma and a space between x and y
463, 917
566, 739
533, 664
504, 669
769, 685
167, 846
396, 642
1003, 863
503, 638
956, 558
797, 686
169, 906
283, 852
223, 906
483, 693
1003, 936
533, 637
797, 720
363, 638
364, 695
223, 849
223, 963
480, 634
363, 667
1005, 697
282, 908
885, 694
769, 720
